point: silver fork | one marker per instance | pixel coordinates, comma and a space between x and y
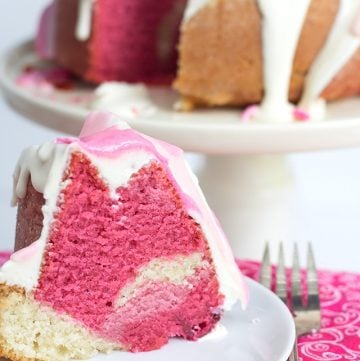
307, 315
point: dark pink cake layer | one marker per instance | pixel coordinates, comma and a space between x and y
134, 40
97, 245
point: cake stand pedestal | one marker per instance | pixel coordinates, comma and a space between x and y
251, 195
245, 178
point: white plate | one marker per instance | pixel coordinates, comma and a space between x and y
220, 131
264, 332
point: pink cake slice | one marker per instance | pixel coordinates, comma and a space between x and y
117, 249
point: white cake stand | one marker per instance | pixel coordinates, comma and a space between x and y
245, 176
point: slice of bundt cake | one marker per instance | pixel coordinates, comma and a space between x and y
116, 249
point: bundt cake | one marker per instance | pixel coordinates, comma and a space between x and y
231, 52
116, 248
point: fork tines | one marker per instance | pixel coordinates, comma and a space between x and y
312, 281
265, 270
296, 289
296, 299
281, 284
307, 316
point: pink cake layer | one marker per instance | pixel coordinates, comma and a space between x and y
134, 40
180, 311
97, 245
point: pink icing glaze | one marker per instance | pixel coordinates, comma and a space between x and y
97, 138
26, 253
105, 135
114, 141
99, 121
44, 43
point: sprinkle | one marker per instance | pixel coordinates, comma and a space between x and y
249, 113
65, 140
301, 115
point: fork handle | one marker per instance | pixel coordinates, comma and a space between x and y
294, 353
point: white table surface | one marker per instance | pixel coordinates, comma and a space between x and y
325, 207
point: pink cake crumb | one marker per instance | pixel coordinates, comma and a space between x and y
45, 80
301, 115
249, 113
98, 244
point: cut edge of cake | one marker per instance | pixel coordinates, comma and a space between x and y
23, 272
39, 333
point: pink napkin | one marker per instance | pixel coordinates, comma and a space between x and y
4, 256
339, 338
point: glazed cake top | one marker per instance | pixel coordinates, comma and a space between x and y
117, 152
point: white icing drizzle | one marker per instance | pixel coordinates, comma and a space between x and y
193, 7
38, 162
84, 20
340, 45
282, 24
130, 101
46, 165
117, 172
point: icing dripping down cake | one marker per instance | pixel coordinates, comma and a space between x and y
116, 248
270, 52
231, 52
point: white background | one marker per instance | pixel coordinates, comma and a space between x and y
326, 199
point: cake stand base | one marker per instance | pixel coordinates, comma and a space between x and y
251, 197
